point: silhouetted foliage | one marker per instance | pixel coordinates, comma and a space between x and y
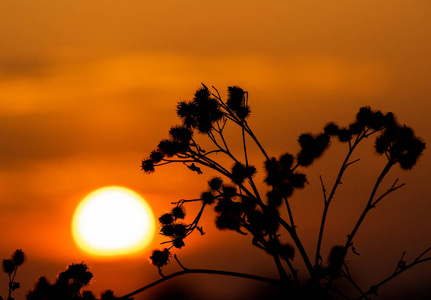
68, 286
240, 207
10, 267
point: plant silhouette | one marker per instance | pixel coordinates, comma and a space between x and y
68, 286
10, 267
242, 208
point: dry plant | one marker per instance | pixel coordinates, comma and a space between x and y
241, 207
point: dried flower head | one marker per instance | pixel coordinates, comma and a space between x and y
215, 183
344, 135
178, 242
156, 156
8, 266
147, 165
208, 198
181, 133
160, 258
331, 129
167, 230
166, 219
235, 97
80, 273
178, 212
18, 257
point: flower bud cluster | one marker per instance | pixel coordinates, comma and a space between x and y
200, 113
172, 228
237, 102
283, 180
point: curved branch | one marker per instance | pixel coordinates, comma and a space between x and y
201, 271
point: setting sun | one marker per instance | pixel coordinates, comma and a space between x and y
113, 221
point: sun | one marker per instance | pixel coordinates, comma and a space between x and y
113, 221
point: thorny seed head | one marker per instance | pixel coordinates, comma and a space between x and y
8, 266
178, 242
178, 212
215, 183
156, 156
160, 258
331, 128
147, 165
181, 133
166, 219
208, 198
18, 257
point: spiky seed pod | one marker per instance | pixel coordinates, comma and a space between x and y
248, 204
414, 151
364, 115
186, 109
202, 95
377, 120
273, 176
18, 257
156, 156
331, 129
274, 198
240, 172
80, 273
306, 141
286, 162
286, 189
356, 128
321, 143
389, 120
228, 191
180, 230
297, 180
204, 124
181, 133
335, 260
227, 221
271, 224
344, 135
235, 97
8, 266
171, 148
147, 165
405, 136
178, 243
178, 212
190, 122
167, 230
208, 198
287, 252
160, 258
305, 158
166, 219
215, 183
243, 112
381, 144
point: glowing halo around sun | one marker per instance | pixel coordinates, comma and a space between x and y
113, 221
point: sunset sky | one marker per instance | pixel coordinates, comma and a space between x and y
89, 88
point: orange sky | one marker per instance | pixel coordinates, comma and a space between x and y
88, 88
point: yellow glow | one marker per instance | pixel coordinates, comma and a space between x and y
113, 221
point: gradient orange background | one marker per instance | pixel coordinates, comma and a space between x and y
88, 88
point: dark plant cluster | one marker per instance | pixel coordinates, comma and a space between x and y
240, 206
10, 267
68, 285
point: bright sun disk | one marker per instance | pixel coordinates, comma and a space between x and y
113, 221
